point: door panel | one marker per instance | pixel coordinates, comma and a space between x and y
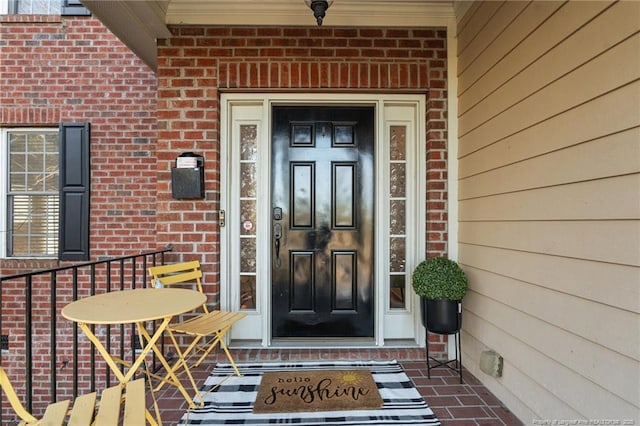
322, 242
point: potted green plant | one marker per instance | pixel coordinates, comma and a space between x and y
441, 283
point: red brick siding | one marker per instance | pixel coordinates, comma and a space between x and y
198, 63
73, 69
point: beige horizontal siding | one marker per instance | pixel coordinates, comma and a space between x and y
606, 117
587, 321
558, 96
469, 29
549, 203
523, 51
614, 199
601, 241
513, 377
501, 17
555, 377
606, 283
615, 155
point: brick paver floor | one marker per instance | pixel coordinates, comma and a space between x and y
453, 403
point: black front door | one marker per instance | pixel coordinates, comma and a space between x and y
322, 221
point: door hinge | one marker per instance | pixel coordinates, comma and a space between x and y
221, 219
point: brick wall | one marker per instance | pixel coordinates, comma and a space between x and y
198, 63
73, 69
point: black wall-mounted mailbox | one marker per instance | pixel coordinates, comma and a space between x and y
187, 177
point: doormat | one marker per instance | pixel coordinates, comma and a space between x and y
229, 399
313, 390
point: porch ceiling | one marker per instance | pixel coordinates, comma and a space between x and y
139, 24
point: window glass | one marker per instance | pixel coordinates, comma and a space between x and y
35, 7
248, 220
32, 198
398, 216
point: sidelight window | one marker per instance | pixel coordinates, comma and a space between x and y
248, 194
397, 216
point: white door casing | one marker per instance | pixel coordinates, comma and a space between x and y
245, 123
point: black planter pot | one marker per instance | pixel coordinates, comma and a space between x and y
441, 316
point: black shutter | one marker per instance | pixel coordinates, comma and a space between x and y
75, 176
74, 8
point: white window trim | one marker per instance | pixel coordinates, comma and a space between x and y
4, 165
4, 185
4, 7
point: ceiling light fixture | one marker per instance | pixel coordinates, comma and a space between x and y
319, 8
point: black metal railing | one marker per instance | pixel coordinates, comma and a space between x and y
47, 358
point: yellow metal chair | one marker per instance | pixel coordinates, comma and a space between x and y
208, 328
86, 411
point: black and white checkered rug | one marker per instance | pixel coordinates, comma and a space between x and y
232, 401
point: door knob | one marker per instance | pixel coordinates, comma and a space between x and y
277, 235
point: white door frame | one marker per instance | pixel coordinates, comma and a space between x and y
255, 110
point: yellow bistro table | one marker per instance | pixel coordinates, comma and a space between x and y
135, 307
